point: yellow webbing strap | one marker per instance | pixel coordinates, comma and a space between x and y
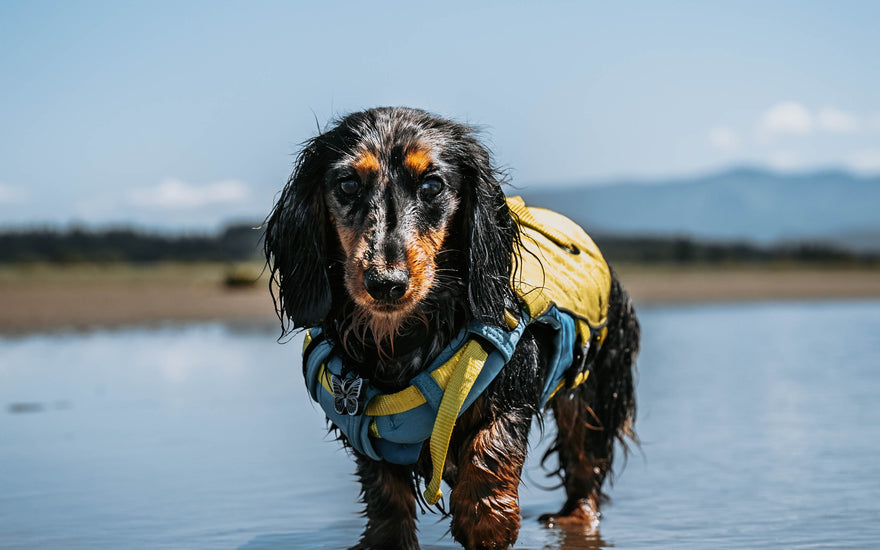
578, 380
460, 384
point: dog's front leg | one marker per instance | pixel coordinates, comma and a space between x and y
388, 491
485, 500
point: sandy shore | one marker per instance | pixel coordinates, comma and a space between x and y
51, 298
748, 284
82, 297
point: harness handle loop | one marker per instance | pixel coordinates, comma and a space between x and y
459, 387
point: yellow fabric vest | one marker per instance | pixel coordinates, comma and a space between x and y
560, 265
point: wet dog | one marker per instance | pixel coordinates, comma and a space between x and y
393, 234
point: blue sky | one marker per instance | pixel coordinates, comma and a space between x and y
187, 114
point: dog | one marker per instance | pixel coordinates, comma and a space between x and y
390, 241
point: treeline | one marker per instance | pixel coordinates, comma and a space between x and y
686, 250
242, 243
234, 243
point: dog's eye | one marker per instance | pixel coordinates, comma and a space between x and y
350, 187
430, 188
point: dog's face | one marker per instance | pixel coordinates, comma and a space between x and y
389, 196
391, 199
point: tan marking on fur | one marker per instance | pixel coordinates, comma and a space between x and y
583, 513
421, 256
370, 315
485, 500
583, 472
366, 164
417, 161
348, 238
354, 245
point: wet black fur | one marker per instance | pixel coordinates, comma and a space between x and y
473, 282
305, 257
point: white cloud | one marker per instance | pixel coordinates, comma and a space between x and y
865, 161
785, 118
172, 193
10, 194
836, 121
724, 139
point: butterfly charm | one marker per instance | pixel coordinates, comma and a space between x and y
348, 395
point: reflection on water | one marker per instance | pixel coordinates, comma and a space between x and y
760, 426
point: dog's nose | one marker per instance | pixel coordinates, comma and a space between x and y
386, 285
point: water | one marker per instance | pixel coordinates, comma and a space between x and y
760, 427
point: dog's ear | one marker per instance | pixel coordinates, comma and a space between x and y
492, 237
295, 245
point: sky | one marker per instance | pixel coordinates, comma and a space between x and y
188, 115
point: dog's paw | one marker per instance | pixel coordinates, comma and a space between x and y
580, 514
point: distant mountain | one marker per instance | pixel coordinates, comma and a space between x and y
744, 203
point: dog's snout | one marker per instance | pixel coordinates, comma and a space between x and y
386, 285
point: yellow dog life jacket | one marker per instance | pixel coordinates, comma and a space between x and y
562, 266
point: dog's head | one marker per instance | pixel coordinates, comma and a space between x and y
404, 206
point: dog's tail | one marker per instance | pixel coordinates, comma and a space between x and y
615, 371
593, 417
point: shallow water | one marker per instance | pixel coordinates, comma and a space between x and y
760, 427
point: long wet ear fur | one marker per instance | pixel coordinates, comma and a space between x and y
493, 237
295, 245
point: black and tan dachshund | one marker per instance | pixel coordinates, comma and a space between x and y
392, 234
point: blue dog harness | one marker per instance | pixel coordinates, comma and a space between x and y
394, 427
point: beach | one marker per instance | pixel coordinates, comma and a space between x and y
49, 297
